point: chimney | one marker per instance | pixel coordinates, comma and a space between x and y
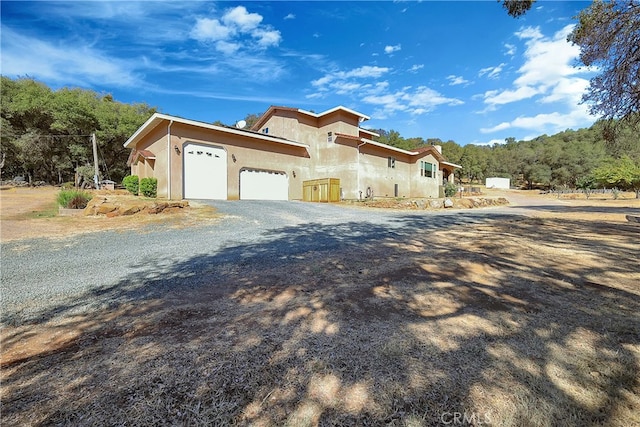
439, 148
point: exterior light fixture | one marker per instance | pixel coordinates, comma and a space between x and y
233, 157
293, 173
175, 147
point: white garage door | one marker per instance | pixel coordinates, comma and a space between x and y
205, 172
263, 185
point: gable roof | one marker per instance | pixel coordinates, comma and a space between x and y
272, 109
157, 119
427, 149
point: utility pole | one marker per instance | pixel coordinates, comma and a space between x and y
95, 161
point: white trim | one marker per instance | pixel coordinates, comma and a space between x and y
158, 117
388, 147
451, 164
331, 110
368, 132
169, 160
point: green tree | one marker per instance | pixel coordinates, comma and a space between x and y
251, 119
608, 34
474, 162
622, 173
45, 134
517, 8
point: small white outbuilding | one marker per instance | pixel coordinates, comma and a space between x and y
502, 183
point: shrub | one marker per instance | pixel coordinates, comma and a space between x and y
586, 184
615, 191
450, 189
73, 199
149, 187
131, 183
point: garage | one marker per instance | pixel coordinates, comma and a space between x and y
205, 172
263, 185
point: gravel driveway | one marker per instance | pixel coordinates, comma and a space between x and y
40, 277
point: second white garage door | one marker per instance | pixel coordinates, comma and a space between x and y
263, 185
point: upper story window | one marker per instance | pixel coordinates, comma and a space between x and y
329, 136
428, 170
391, 162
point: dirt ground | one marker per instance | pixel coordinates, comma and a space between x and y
530, 321
33, 212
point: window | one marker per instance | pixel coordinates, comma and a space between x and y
391, 162
330, 137
428, 170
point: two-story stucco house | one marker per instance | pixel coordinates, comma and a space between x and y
273, 159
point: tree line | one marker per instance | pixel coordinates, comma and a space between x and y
565, 160
46, 134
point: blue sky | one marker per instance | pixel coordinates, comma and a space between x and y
464, 71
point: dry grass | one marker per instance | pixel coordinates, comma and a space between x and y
514, 321
33, 212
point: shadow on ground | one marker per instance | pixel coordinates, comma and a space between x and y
563, 209
503, 321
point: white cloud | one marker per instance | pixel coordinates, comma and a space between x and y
237, 29
508, 96
340, 77
547, 77
456, 80
390, 49
367, 72
227, 48
65, 64
210, 30
415, 102
532, 33
290, 16
267, 38
240, 18
545, 122
510, 49
492, 72
547, 60
416, 67
356, 82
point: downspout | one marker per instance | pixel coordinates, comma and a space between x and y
359, 193
169, 160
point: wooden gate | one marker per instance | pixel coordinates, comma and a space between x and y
321, 190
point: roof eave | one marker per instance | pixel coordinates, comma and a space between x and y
157, 118
452, 165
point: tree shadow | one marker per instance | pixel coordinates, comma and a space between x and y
556, 208
505, 320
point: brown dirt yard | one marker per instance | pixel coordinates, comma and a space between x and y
533, 320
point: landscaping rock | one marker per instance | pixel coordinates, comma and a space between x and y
435, 204
130, 210
448, 203
124, 205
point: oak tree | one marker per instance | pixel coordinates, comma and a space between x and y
608, 34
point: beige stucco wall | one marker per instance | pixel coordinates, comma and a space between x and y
424, 186
328, 159
156, 142
248, 153
358, 166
